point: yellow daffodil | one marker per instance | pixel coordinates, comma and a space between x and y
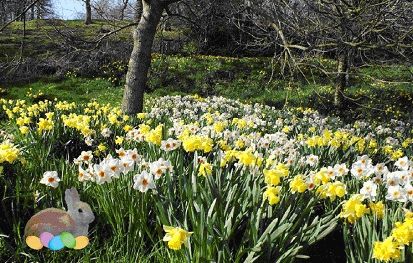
176, 237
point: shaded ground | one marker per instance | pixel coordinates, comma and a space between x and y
328, 250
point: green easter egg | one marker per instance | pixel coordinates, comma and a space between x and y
68, 239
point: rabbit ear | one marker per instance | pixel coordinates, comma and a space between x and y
71, 197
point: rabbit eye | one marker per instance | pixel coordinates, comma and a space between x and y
80, 210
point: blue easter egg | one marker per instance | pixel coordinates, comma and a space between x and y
56, 243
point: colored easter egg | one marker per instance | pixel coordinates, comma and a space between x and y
45, 238
68, 239
81, 242
56, 243
34, 242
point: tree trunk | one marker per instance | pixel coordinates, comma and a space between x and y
88, 19
138, 10
140, 60
39, 11
32, 13
342, 77
3, 14
123, 9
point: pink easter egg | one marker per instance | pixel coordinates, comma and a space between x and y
45, 238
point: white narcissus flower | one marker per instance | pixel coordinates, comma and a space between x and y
89, 141
133, 155
106, 132
402, 163
143, 182
121, 153
364, 160
135, 135
127, 165
357, 170
380, 169
340, 169
331, 173
83, 175
264, 143
408, 188
369, 190
170, 144
289, 160
311, 160
50, 178
377, 179
85, 156
410, 175
160, 167
396, 193
360, 170
102, 174
404, 177
114, 166
394, 178
77, 161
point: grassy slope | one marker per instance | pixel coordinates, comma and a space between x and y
245, 79
42, 37
71, 89
374, 91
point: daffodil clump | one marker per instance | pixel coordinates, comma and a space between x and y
354, 208
205, 169
386, 250
332, 190
78, 122
392, 247
234, 174
298, 184
378, 209
272, 194
8, 152
197, 143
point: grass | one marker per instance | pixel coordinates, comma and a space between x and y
43, 37
71, 89
375, 92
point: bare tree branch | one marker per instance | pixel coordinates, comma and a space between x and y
20, 15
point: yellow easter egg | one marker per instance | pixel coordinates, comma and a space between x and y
81, 242
34, 242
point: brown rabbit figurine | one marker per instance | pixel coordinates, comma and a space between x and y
75, 220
